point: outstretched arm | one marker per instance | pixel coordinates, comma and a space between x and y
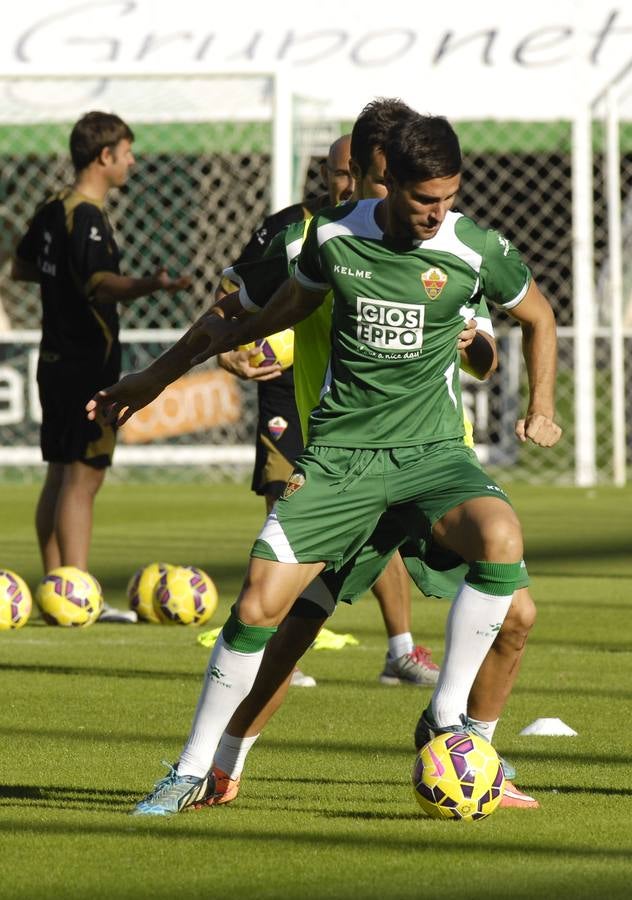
539, 346
290, 303
136, 390
124, 288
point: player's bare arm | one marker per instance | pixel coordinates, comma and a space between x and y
291, 303
539, 345
21, 270
120, 401
124, 288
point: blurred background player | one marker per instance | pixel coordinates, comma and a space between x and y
70, 251
279, 440
281, 435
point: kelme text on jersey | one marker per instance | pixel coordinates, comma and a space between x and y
351, 270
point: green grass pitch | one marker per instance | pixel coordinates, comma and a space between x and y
326, 809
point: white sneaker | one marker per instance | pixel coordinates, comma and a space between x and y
300, 679
415, 667
112, 614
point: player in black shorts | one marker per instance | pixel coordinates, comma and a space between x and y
279, 440
70, 251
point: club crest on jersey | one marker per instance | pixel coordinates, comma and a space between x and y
434, 280
295, 483
276, 427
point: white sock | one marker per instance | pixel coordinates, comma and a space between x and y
231, 754
473, 623
487, 729
229, 678
400, 644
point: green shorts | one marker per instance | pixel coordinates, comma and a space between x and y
437, 572
330, 509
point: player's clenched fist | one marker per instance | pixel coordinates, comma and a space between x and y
540, 429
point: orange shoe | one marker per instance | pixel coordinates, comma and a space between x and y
224, 789
514, 797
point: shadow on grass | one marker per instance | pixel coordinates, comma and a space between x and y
65, 797
572, 549
402, 748
87, 671
540, 788
606, 693
174, 831
587, 646
591, 791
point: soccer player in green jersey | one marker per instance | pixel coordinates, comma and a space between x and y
495, 679
69, 249
294, 393
444, 489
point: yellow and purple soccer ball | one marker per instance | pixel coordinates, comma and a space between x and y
15, 600
278, 348
69, 597
184, 595
141, 587
458, 776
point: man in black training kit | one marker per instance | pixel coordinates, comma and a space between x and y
70, 251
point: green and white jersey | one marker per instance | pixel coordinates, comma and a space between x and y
393, 378
258, 280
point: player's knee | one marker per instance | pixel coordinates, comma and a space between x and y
502, 539
83, 479
252, 608
260, 601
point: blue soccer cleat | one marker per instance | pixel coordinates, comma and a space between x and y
174, 793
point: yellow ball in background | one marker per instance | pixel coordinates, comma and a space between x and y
278, 348
185, 595
15, 601
69, 597
140, 590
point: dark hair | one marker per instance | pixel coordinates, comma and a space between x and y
422, 148
373, 126
92, 133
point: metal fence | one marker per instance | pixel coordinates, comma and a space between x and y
201, 185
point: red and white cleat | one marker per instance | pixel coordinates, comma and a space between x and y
514, 797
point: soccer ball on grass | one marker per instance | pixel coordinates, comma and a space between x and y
15, 600
184, 595
278, 348
70, 597
141, 587
458, 776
